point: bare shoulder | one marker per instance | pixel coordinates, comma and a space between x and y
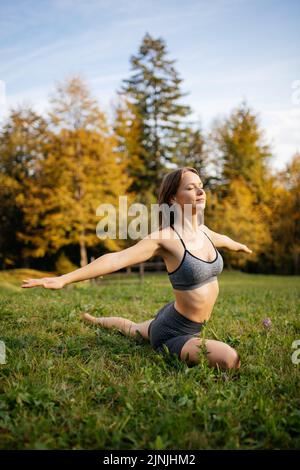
161, 237
140, 252
219, 240
205, 229
160, 234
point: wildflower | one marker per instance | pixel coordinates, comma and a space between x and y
267, 323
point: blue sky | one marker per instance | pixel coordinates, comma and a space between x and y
225, 51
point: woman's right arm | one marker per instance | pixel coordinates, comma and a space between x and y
105, 264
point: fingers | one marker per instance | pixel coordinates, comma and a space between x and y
245, 249
46, 282
32, 283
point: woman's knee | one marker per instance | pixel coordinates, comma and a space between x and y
218, 354
225, 356
232, 360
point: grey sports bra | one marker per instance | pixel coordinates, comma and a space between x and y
194, 272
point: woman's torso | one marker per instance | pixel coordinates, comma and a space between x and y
200, 254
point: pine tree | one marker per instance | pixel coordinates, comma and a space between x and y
194, 154
154, 89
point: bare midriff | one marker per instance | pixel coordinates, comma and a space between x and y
197, 304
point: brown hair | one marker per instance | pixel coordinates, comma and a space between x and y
169, 186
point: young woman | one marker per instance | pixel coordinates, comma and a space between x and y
193, 264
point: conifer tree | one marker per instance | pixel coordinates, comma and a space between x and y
154, 89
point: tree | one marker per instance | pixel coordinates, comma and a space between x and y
154, 90
127, 127
285, 219
74, 108
22, 141
194, 154
239, 216
81, 169
241, 152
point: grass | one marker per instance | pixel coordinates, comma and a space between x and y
70, 385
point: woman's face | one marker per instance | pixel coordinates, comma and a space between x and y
190, 191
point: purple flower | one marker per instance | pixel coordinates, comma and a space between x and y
267, 323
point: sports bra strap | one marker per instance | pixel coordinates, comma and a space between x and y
208, 238
183, 241
179, 237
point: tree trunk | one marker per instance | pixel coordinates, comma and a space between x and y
25, 262
296, 261
83, 252
141, 271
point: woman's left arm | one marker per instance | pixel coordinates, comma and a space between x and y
222, 241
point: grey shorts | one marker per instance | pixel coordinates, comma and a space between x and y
171, 328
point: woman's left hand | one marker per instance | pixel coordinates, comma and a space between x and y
244, 248
46, 282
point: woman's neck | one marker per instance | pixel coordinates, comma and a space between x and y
188, 224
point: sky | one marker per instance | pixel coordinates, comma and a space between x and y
225, 51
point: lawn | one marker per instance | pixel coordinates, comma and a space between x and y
70, 385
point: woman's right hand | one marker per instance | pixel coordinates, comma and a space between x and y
46, 282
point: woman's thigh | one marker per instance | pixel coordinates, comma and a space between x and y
143, 328
218, 353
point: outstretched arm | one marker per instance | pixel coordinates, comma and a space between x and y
222, 241
105, 264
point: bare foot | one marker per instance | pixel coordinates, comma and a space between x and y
90, 318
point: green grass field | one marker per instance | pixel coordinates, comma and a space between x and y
70, 385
